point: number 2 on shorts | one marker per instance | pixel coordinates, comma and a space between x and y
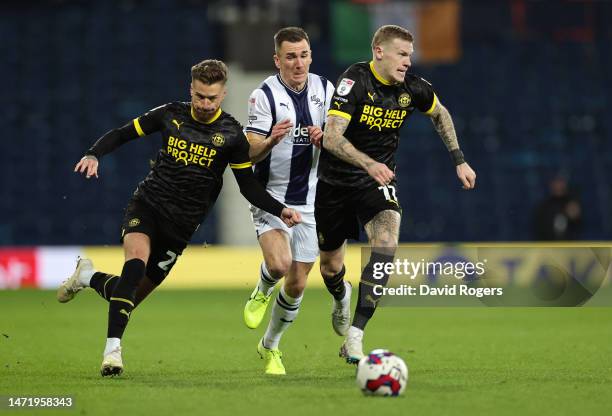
165, 265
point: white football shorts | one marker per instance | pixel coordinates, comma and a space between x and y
302, 237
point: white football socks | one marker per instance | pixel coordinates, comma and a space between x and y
85, 276
347, 295
284, 311
112, 344
355, 333
266, 282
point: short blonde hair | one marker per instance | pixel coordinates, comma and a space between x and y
209, 71
390, 32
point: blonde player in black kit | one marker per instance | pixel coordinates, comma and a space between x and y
357, 167
199, 141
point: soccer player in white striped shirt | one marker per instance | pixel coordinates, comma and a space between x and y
287, 113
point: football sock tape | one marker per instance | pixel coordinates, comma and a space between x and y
335, 284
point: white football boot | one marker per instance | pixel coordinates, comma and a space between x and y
352, 348
112, 365
75, 283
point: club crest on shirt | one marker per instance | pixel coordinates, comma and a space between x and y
345, 86
404, 100
134, 222
218, 139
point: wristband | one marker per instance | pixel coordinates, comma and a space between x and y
457, 156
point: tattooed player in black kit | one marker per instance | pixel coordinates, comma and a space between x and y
357, 168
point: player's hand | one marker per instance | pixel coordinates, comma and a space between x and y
381, 173
291, 217
280, 130
87, 165
466, 175
316, 135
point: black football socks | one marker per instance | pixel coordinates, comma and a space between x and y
368, 300
104, 284
335, 285
122, 298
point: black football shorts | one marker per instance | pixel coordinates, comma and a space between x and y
167, 243
340, 211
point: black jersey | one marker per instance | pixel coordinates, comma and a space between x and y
187, 176
376, 110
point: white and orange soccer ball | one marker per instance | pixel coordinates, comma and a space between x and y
382, 373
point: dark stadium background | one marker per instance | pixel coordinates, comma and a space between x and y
529, 95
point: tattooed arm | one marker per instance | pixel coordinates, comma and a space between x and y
443, 124
335, 142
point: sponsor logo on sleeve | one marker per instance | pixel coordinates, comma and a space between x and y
251, 109
345, 86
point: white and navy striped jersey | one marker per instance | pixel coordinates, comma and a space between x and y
289, 172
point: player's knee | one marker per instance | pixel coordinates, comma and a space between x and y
295, 289
330, 268
137, 246
141, 253
384, 243
278, 266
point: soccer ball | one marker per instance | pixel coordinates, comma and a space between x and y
382, 373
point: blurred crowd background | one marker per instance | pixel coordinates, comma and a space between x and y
528, 84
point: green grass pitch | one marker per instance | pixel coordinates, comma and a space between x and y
189, 352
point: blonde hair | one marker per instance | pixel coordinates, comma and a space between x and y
390, 32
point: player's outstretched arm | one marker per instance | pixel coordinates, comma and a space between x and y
260, 146
443, 123
148, 123
256, 194
335, 142
104, 145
